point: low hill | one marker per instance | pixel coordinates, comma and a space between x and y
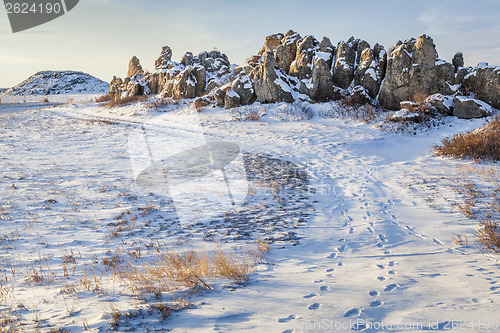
59, 82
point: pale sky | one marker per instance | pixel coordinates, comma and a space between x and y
100, 36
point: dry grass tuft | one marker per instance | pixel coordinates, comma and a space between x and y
162, 102
125, 101
104, 98
460, 240
488, 235
480, 144
353, 107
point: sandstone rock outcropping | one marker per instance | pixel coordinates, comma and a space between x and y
291, 68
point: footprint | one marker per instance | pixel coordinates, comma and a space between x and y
409, 227
318, 281
376, 304
438, 242
416, 235
353, 312
330, 270
340, 263
382, 238
288, 331
381, 278
370, 229
394, 216
392, 272
392, 264
324, 288
381, 266
352, 230
311, 295
287, 319
343, 248
369, 214
391, 287
333, 255
314, 306
374, 293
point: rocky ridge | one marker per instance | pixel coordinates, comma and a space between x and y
290, 68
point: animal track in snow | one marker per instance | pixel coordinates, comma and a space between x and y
370, 229
374, 293
376, 304
310, 295
333, 255
391, 287
314, 306
353, 312
343, 248
381, 278
438, 242
382, 238
352, 230
324, 288
409, 227
287, 319
416, 235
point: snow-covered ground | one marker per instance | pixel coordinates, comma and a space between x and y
358, 244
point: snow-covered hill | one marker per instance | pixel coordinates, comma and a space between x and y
59, 82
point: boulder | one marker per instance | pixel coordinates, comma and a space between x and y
443, 104
220, 96
462, 74
271, 83
469, 108
414, 72
361, 46
187, 59
164, 59
134, 67
458, 61
367, 74
114, 86
271, 44
244, 88
287, 51
322, 79
303, 63
242, 70
484, 82
189, 83
231, 99
326, 51
360, 96
343, 69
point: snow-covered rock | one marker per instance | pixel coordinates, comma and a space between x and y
59, 82
484, 82
444, 104
413, 69
469, 108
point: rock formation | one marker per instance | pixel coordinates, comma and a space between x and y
414, 70
289, 68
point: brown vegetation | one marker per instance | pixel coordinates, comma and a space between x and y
480, 144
